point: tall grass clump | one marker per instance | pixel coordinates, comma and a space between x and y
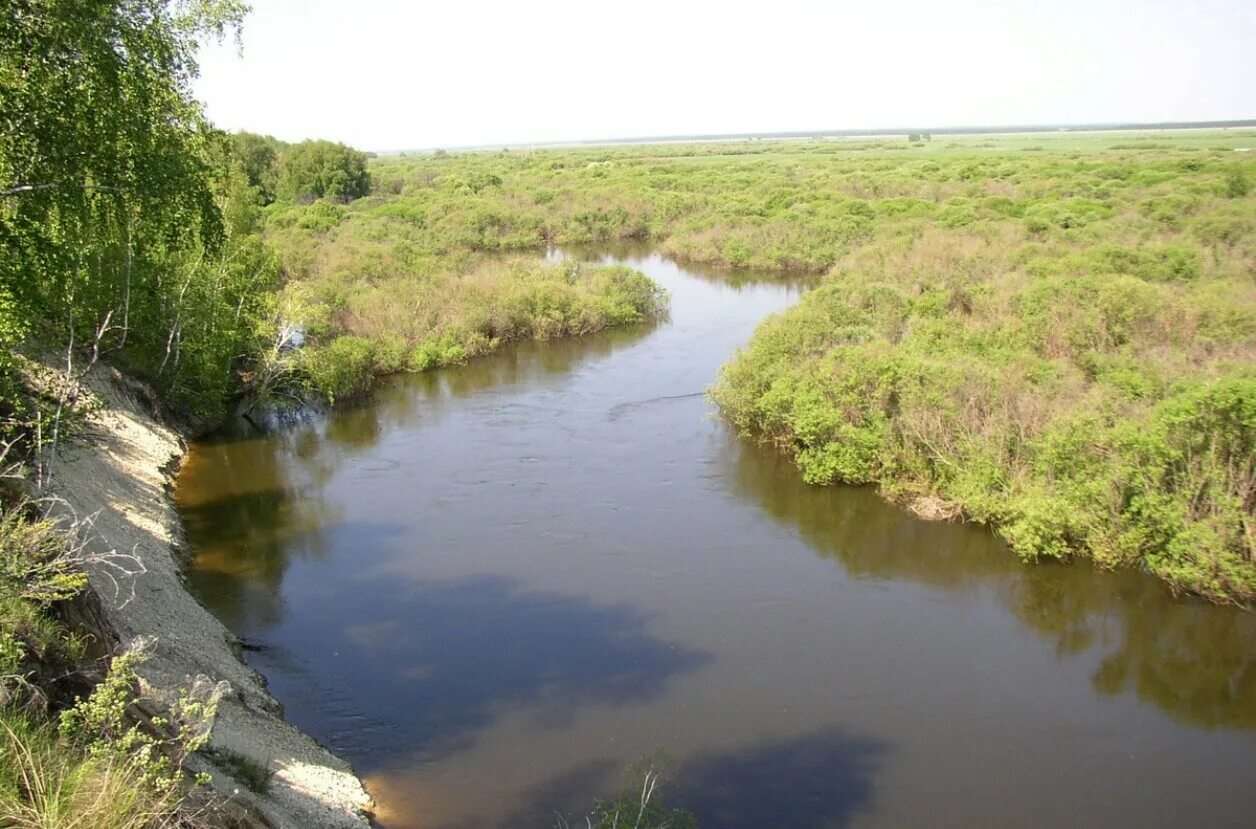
47, 783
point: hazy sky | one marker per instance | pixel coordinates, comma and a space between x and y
397, 74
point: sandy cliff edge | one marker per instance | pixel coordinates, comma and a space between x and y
118, 475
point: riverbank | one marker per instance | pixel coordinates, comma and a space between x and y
557, 550
118, 476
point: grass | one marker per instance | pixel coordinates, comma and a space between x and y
1051, 334
45, 784
74, 753
254, 774
639, 804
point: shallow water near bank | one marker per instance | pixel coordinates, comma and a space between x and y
493, 587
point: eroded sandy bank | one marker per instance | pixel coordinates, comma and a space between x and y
118, 475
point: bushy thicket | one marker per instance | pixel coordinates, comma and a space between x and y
1089, 394
790, 205
419, 322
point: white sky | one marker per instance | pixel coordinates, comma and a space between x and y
400, 74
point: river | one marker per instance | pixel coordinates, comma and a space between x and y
493, 587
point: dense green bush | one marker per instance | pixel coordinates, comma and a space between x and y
322, 169
258, 158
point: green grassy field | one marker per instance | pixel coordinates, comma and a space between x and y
1052, 333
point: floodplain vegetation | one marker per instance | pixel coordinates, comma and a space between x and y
1053, 335
1050, 334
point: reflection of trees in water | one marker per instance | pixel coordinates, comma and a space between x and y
252, 502
403, 401
1194, 660
249, 507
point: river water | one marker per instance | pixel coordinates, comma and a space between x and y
493, 587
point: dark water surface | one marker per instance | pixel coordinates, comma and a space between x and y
493, 587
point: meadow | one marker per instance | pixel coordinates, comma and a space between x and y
1051, 334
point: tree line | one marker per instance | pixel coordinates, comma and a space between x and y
128, 223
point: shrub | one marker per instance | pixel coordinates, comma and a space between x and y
1041, 403
640, 805
1236, 183
341, 369
1064, 214
42, 784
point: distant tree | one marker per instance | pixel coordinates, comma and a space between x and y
927, 136
914, 138
257, 157
323, 170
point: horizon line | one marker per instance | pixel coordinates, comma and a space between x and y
786, 135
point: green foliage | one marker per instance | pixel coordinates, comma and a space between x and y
1236, 184
1043, 403
323, 169
993, 322
640, 804
341, 369
113, 191
1064, 214
37, 568
99, 767
1154, 263
101, 726
443, 319
258, 157
254, 774
45, 783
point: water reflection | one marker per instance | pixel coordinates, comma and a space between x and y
565, 795
1194, 660
520, 364
248, 515
637, 254
823, 780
